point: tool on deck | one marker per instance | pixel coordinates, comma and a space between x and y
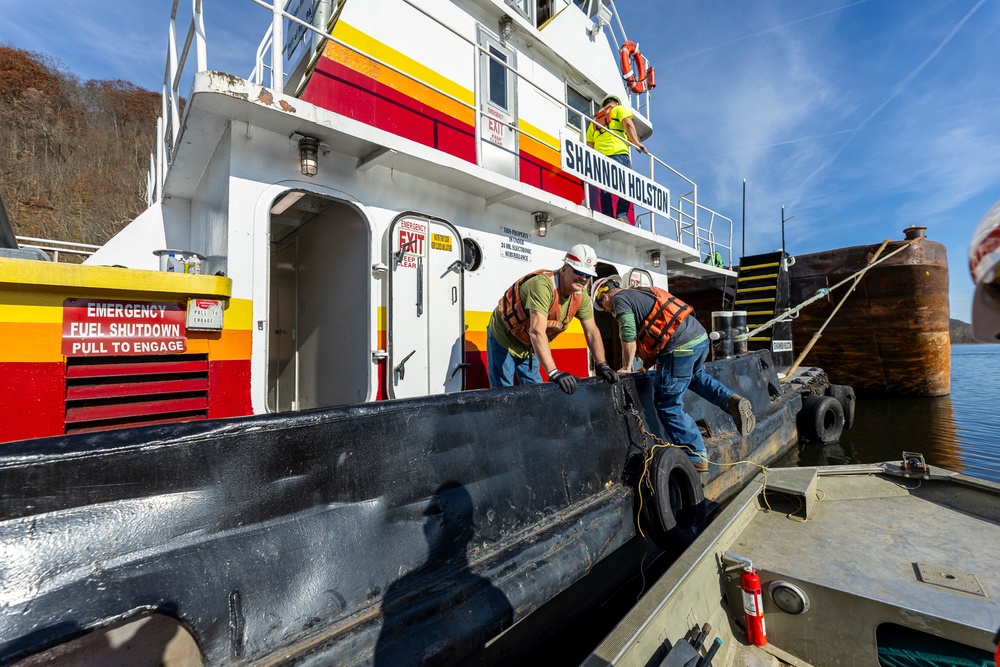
707, 660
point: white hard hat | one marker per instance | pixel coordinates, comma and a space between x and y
602, 286
582, 258
984, 264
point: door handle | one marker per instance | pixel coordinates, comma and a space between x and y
401, 366
420, 286
458, 367
454, 295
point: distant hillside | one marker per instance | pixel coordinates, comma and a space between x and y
73, 156
961, 332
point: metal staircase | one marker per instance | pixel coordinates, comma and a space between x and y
763, 292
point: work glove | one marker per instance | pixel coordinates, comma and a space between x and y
605, 372
565, 381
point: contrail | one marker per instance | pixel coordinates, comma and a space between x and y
897, 89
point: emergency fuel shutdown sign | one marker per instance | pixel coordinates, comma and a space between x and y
93, 328
581, 160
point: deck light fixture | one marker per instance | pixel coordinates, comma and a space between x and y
308, 155
542, 222
506, 28
654, 258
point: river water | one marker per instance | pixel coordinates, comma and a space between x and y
960, 432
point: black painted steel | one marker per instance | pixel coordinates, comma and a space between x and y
265, 532
384, 533
7, 238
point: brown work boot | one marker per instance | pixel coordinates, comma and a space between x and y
742, 413
700, 462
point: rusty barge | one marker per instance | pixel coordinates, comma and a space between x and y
891, 335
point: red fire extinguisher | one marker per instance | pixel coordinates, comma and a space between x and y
753, 601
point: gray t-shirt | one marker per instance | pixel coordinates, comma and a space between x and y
632, 307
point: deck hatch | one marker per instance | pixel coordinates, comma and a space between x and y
947, 577
117, 392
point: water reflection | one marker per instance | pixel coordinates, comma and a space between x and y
886, 427
959, 432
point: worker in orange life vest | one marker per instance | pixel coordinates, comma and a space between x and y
656, 326
532, 312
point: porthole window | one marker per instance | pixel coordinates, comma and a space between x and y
472, 254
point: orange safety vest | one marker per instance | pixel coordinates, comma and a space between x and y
516, 320
661, 323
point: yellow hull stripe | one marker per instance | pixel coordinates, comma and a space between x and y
421, 82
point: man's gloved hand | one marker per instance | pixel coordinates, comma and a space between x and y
565, 381
605, 372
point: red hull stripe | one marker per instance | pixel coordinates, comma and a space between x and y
344, 90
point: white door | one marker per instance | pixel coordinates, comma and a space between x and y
497, 107
426, 333
282, 371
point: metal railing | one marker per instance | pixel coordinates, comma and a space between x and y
683, 223
58, 248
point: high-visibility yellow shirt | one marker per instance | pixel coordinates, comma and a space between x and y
612, 141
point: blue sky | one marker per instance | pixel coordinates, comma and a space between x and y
860, 117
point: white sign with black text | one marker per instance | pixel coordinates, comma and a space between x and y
581, 160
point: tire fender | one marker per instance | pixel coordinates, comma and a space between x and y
845, 396
675, 513
821, 419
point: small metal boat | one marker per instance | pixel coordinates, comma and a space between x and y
887, 564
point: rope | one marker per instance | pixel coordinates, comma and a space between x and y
819, 333
648, 452
822, 292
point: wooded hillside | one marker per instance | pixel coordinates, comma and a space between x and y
73, 156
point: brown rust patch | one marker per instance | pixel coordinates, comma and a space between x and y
285, 106
266, 97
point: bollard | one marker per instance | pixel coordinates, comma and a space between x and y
739, 327
722, 324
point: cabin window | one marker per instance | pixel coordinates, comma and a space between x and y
498, 79
472, 254
579, 106
524, 8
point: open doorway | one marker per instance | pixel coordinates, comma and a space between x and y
319, 339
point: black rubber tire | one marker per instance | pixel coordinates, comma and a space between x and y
845, 396
675, 513
821, 419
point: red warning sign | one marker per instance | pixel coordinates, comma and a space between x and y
411, 239
93, 328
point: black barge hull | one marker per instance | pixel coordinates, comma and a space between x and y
408, 531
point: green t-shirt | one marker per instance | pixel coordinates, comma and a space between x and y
537, 293
614, 141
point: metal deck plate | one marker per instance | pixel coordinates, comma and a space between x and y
949, 578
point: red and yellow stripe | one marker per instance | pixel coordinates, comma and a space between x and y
410, 106
32, 365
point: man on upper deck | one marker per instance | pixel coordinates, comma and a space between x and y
532, 312
612, 139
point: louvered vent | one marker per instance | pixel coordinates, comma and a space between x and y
116, 392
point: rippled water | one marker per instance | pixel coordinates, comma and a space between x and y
960, 432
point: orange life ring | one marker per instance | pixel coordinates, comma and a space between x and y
639, 80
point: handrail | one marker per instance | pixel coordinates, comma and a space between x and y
57, 247
686, 223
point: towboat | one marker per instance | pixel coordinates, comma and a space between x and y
888, 564
254, 427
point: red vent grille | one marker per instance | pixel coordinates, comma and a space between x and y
115, 392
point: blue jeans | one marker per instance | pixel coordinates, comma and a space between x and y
501, 365
607, 205
676, 373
